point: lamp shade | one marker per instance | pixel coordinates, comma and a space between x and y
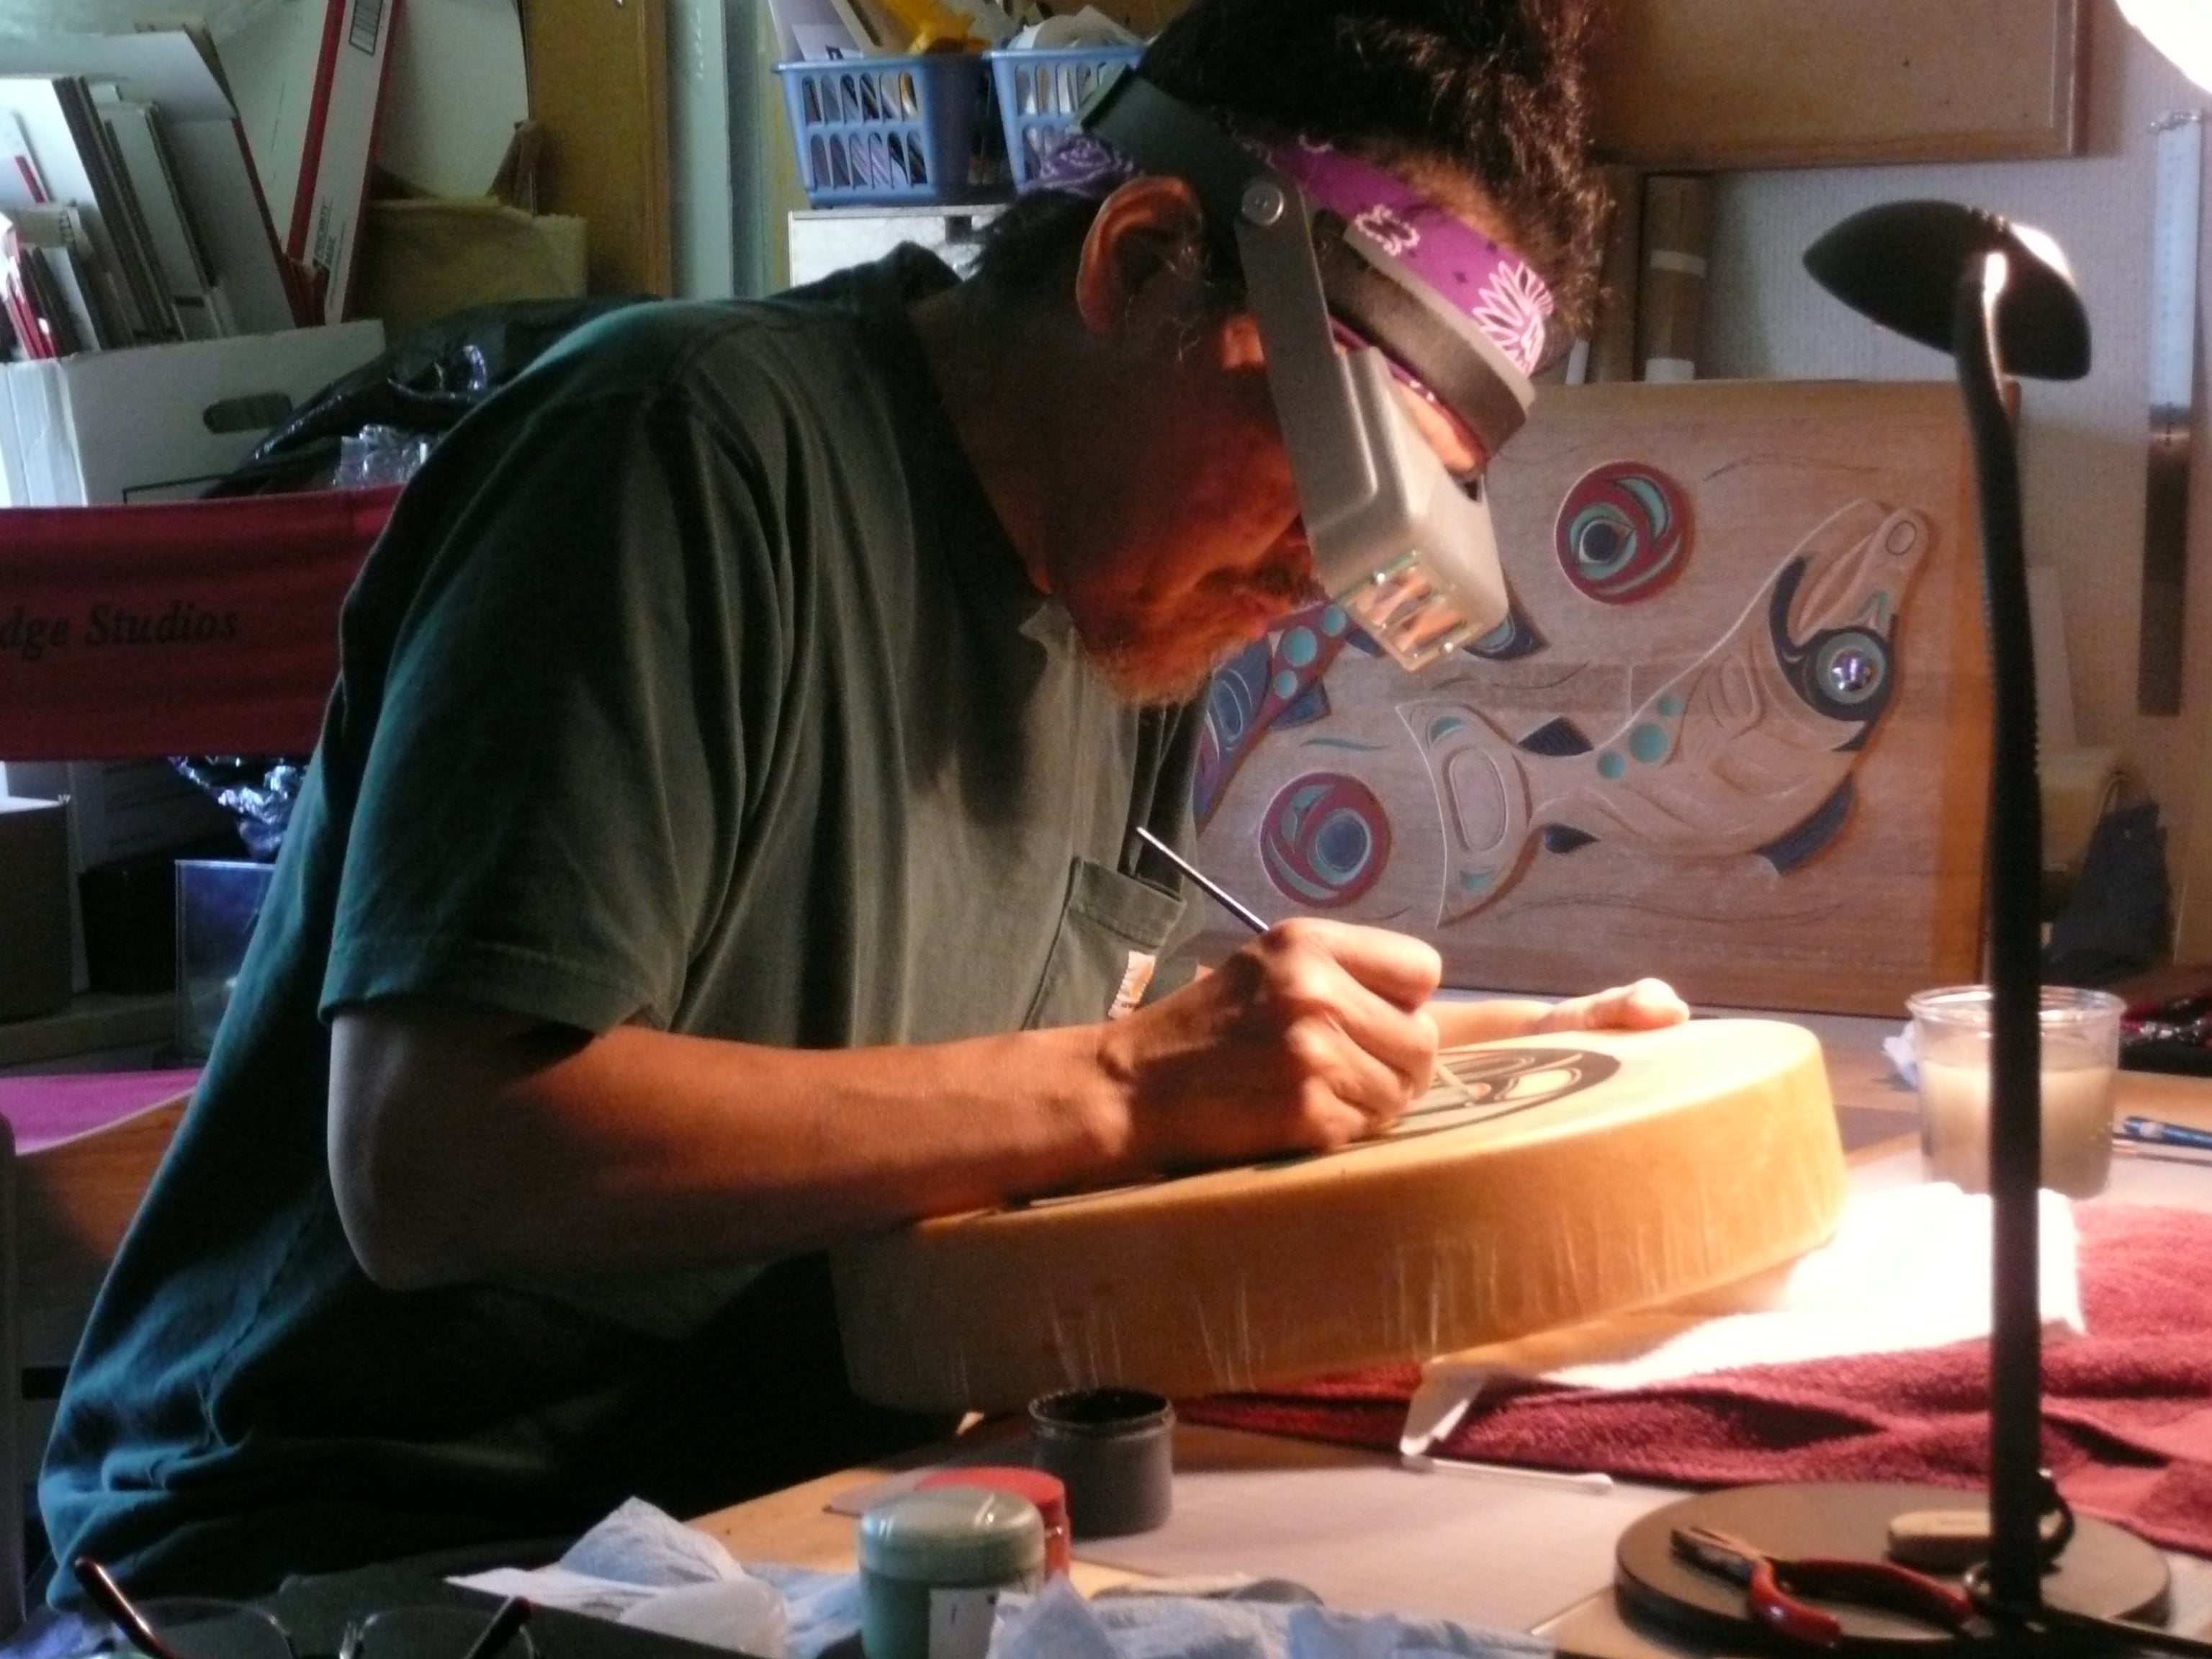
2182, 29
1901, 264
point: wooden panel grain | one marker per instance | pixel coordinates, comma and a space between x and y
599, 91
1646, 782
1612, 329
73, 1199
1691, 84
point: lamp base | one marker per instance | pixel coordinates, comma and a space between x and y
2104, 1570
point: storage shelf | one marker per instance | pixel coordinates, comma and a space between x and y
93, 1027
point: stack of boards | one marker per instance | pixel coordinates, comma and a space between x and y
1593, 1172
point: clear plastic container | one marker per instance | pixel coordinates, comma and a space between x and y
2081, 1051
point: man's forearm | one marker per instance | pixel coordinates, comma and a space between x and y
464, 1146
469, 1145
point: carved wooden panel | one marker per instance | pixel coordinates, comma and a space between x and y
1736, 733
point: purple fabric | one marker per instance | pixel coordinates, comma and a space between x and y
1484, 278
47, 1109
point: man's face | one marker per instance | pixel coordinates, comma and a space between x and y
1211, 548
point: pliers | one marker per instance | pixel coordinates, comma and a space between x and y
1773, 1584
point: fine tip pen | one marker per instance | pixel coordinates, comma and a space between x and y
506, 1618
2151, 1131
100, 1586
1251, 918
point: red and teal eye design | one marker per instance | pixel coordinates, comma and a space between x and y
1325, 840
1623, 533
1271, 684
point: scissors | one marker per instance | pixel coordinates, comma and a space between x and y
1773, 1584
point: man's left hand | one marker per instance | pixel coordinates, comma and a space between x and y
1645, 1005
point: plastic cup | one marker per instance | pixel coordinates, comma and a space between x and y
2081, 1051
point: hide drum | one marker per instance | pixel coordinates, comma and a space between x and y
1597, 1171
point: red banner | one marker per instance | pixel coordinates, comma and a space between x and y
187, 628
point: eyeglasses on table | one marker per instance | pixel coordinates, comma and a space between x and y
207, 1627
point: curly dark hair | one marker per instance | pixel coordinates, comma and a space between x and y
1491, 92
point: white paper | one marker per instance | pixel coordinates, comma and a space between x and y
453, 93
1908, 1268
1058, 1624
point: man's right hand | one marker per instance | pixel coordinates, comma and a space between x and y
1312, 1035
467, 1145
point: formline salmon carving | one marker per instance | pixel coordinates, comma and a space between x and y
1734, 730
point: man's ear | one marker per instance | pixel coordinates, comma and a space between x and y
1147, 232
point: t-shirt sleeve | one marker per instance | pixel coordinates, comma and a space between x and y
553, 774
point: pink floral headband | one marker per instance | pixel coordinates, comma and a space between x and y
1472, 273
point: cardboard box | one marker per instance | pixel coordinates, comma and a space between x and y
34, 908
307, 75
119, 809
159, 422
118, 814
254, 292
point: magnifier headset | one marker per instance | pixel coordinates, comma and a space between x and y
1407, 549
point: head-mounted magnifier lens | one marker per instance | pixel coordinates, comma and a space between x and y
1403, 546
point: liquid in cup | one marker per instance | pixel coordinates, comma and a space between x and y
2080, 1050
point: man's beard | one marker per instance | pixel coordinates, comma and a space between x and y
1144, 683
1142, 675
1150, 667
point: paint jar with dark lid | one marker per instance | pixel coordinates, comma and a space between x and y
1113, 1448
933, 1564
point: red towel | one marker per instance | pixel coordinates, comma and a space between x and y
2127, 1407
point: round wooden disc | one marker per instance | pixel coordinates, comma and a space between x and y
1582, 1174
2104, 1570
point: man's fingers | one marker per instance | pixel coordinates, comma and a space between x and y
1354, 1075
1400, 968
1353, 1003
1645, 1005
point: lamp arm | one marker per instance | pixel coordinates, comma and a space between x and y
2013, 878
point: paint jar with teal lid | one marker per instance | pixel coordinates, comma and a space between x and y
933, 1563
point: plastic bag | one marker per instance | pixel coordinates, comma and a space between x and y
420, 388
379, 455
258, 792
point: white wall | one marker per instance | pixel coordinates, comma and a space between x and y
2083, 443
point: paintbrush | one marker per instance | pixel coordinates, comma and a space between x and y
1245, 914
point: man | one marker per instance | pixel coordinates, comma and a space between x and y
722, 842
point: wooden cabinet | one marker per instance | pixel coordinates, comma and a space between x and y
1713, 84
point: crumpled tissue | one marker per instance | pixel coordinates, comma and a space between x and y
640, 1566
1057, 1622
1087, 27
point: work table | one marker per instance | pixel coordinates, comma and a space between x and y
1488, 1549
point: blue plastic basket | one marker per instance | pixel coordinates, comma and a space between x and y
884, 130
1039, 93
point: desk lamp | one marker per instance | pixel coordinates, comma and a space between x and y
1998, 297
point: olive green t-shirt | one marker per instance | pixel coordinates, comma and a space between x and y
696, 684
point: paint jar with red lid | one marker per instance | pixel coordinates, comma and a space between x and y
1047, 1491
